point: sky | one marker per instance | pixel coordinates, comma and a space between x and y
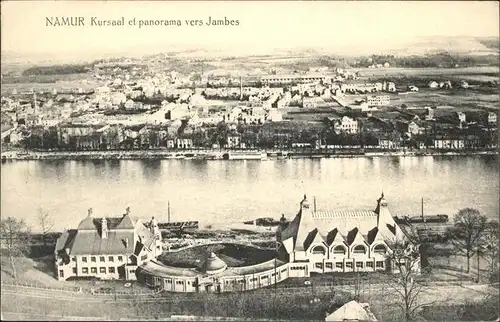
263, 26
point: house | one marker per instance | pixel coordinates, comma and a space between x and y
410, 127
492, 118
283, 103
461, 117
464, 84
413, 88
233, 141
341, 241
352, 311
445, 85
378, 100
430, 113
274, 116
7, 130
345, 125
183, 143
106, 248
433, 84
448, 143
389, 86
387, 143
309, 102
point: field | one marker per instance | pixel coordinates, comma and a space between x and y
462, 99
233, 254
48, 83
311, 114
430, 72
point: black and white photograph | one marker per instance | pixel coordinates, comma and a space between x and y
250, 160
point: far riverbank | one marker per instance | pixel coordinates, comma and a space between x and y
219, 155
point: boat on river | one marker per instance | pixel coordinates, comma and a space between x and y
245, 155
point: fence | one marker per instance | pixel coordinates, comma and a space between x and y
34, 285
104, 291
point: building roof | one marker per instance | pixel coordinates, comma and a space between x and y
341, 226
352, 311
159, 269
123, 237
212, 263
300, 227
90, 243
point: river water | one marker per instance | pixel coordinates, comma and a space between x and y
234, 191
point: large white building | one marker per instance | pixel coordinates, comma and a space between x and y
293, 78
106, 248
340, 241
321, 242
345, 125
378, 100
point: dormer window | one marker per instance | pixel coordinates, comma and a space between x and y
380, 249
339, 250
359, 249
318, 250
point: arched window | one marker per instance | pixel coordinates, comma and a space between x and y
339, 250
359, 249
318, 250
380, 249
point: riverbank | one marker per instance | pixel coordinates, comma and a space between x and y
219, 155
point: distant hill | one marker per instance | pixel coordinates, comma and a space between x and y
491, 42
472, 46
451, 45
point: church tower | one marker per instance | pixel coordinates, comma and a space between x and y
104, 228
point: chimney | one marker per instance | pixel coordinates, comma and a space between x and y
67, 251
127, 211
90, 212
126, 242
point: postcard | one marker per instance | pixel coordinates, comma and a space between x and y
249, 160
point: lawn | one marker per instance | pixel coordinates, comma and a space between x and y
233, 254
40, 271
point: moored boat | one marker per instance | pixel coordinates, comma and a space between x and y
245, 155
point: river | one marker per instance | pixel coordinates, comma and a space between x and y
234, 191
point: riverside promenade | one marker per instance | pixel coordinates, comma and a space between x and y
208, 154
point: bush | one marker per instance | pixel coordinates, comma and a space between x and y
494, 277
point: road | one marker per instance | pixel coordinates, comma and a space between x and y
434, 291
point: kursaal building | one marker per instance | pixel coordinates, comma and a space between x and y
320, 242
342, 241
106, 248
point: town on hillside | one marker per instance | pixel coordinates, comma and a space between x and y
150, 104
249, 161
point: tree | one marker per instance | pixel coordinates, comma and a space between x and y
46, 224
15, 239
467, 232
405, 261
490, 249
